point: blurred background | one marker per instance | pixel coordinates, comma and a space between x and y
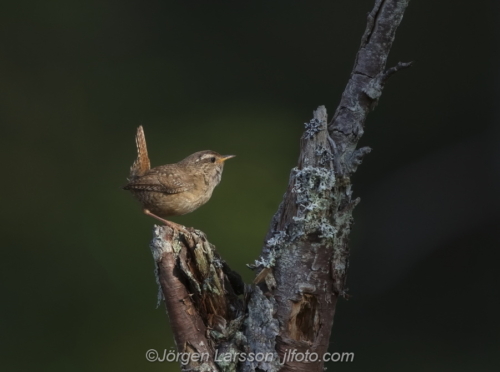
78, 77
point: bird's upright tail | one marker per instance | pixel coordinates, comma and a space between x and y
141, 164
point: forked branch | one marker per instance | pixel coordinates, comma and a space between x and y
303, 265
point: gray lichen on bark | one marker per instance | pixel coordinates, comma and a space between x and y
299, 247
261, 330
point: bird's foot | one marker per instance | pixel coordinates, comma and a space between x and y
170, 224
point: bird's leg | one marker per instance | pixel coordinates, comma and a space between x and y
171, 224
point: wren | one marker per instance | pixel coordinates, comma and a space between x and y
174, 189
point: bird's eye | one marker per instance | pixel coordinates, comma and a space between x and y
212, 160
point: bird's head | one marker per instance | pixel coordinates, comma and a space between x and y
210, 163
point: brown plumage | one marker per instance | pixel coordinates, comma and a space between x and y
174, 189
141, 164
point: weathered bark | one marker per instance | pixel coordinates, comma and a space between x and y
303, 265
201, 296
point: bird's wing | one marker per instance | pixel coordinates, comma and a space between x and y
164, 179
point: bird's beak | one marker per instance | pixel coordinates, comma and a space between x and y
225, 157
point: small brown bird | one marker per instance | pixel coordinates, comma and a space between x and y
174, 189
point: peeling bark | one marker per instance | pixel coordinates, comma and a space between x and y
302, 269
201, 294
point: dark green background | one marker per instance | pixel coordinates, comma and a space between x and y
77, 78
